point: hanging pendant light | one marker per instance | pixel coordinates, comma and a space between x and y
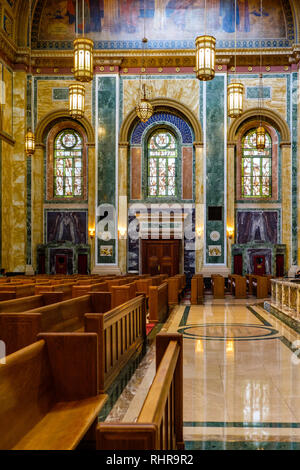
144, 109
260, 137
205, 54
205, 57
76, 100
29, 142
29, 136
83, 53
235, 91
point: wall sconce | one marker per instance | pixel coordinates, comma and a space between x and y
122, 233
229, 346
230, 232
92, 232
199, 232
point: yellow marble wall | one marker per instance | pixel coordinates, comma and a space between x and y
7, 119
278, 93
45, 103
14, 184
184, 90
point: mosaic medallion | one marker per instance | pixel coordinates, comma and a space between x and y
232, 331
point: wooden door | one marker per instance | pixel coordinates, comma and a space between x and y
160, 257
259, 265
61, 264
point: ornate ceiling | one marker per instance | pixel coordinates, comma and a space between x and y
171, 26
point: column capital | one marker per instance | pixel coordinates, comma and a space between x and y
285, 144
198, 144
123, 144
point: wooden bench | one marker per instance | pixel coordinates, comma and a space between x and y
260, 287
49, 398
197, 289
28, 303
159, 425
121, 332
16, 291
65, 288
218, 286
83, 289
238, 286
18, 330
173, 291
158, 303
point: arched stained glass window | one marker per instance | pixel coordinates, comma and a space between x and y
162, 155
256, 168
68, 167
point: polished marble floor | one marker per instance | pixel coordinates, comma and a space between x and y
241, 377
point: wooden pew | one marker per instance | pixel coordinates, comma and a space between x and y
218, 286
49, 397
260, 286
159, 425
18, 330
29, 303
173, 290
79, 290
158, 303
121, 332
17, 291
197, 289
238, 286
66, 288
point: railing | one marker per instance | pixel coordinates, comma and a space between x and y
160, 423
285, 295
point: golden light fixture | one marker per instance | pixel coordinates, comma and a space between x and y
235, 93
76, 100
29, 142
122, 233
92, 232
205, 57
83, 53
230, 232
260, 137
144, 109
235, 90
83, 59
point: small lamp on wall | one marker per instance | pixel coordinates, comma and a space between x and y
199, 232
29, 142
92, 232
122, 233
230, 232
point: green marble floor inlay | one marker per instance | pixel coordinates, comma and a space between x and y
241, 445
185, 316
223, 332
238, 424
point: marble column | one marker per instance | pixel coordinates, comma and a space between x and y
92, 199
230, 197
37, 191
199, 201
14, 175
287, 201
122, 206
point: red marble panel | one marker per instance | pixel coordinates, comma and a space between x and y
187, 173
136, 173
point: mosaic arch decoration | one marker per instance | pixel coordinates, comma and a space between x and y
162, 118
118, 24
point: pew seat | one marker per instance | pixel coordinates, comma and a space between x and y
53, 402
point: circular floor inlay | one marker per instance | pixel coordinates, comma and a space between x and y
233, 331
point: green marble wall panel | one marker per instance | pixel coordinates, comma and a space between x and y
106, 104
28, 179
215, 162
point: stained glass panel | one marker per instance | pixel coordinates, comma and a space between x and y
162, 154
68, 175
256, 167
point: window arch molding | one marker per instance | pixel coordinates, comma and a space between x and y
243, 131
147, 134
53, 133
